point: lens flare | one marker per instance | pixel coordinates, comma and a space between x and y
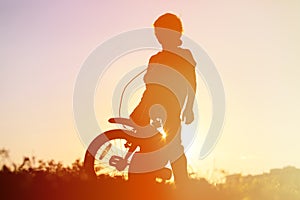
162, 132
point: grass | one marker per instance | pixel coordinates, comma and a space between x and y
52, 180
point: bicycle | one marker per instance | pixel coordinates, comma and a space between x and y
110, 153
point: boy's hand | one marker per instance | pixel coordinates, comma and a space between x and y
187, 116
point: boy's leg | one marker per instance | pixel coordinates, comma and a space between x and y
179, 168
178, 160
176, 152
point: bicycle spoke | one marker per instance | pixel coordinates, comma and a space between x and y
106, 151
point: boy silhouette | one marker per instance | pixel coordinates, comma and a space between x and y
169, 95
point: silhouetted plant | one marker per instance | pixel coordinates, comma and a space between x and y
53, 180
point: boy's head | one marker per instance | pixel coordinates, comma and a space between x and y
169, 21
168, 30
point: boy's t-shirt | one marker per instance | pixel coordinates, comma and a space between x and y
169, 76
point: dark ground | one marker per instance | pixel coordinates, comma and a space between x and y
51, 180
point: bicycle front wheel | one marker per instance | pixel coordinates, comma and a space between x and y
105, 154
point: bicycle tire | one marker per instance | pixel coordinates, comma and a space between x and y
99, 142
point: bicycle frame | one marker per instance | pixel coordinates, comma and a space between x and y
118, 161
147, 131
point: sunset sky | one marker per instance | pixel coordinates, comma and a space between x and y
255, 46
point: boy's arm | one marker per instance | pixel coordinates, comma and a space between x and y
150, 69
188, 114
